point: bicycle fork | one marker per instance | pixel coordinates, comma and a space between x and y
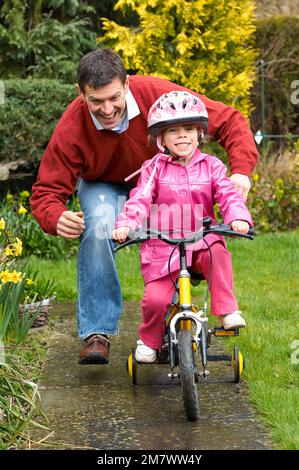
186, 315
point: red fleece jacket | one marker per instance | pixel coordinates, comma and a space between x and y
78, 149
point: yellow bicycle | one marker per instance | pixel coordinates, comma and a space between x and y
186, 329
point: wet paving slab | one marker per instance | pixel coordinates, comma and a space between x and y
97, 407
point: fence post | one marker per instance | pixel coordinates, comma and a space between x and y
262, 75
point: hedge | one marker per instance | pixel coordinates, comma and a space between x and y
274, 198
28, 116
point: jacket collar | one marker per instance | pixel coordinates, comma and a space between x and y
197, 157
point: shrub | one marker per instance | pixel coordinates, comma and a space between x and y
12, 284
44, 39
274, 198
19, 285
35, 241
28, 116
206, 46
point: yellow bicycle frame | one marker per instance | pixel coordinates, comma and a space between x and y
185, 297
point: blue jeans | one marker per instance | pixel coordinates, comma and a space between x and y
99, 294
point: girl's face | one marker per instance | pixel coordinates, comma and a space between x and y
181, 140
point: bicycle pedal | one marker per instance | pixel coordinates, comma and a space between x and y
220, 331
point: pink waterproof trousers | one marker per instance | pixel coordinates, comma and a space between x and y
158, 294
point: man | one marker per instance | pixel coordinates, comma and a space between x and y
100, 139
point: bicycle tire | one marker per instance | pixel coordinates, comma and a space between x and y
187, 375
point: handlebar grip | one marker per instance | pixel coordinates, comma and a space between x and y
249, 235
225, 230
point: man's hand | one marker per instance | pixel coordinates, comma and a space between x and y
120, 234
240, 226
70, 224
242, 184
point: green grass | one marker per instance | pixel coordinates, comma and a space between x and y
266, 278
62, 272
266, 275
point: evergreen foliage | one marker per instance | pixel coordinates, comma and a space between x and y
206, 46
45, 38
31, 110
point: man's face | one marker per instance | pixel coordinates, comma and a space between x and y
107, 103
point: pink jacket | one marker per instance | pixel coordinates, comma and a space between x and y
171, 196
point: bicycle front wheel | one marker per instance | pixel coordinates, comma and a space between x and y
187, 375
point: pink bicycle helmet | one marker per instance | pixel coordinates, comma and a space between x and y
176, 107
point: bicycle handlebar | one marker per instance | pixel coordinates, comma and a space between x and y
220, 229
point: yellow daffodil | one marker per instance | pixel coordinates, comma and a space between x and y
2, 224
24, 194
15, 277
22, 210
18, 247
9, 250
10, 276
4, 276
29, 281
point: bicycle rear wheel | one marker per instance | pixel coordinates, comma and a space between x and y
187, 375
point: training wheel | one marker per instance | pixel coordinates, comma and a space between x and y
132, 367
238, 364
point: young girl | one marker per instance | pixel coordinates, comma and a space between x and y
181, 177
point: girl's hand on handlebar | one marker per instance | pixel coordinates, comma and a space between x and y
240, 226
120, 234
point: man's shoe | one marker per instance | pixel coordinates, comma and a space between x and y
95, 350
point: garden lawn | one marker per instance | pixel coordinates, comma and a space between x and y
62, 272
266, 274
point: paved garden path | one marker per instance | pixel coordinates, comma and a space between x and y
96, 407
